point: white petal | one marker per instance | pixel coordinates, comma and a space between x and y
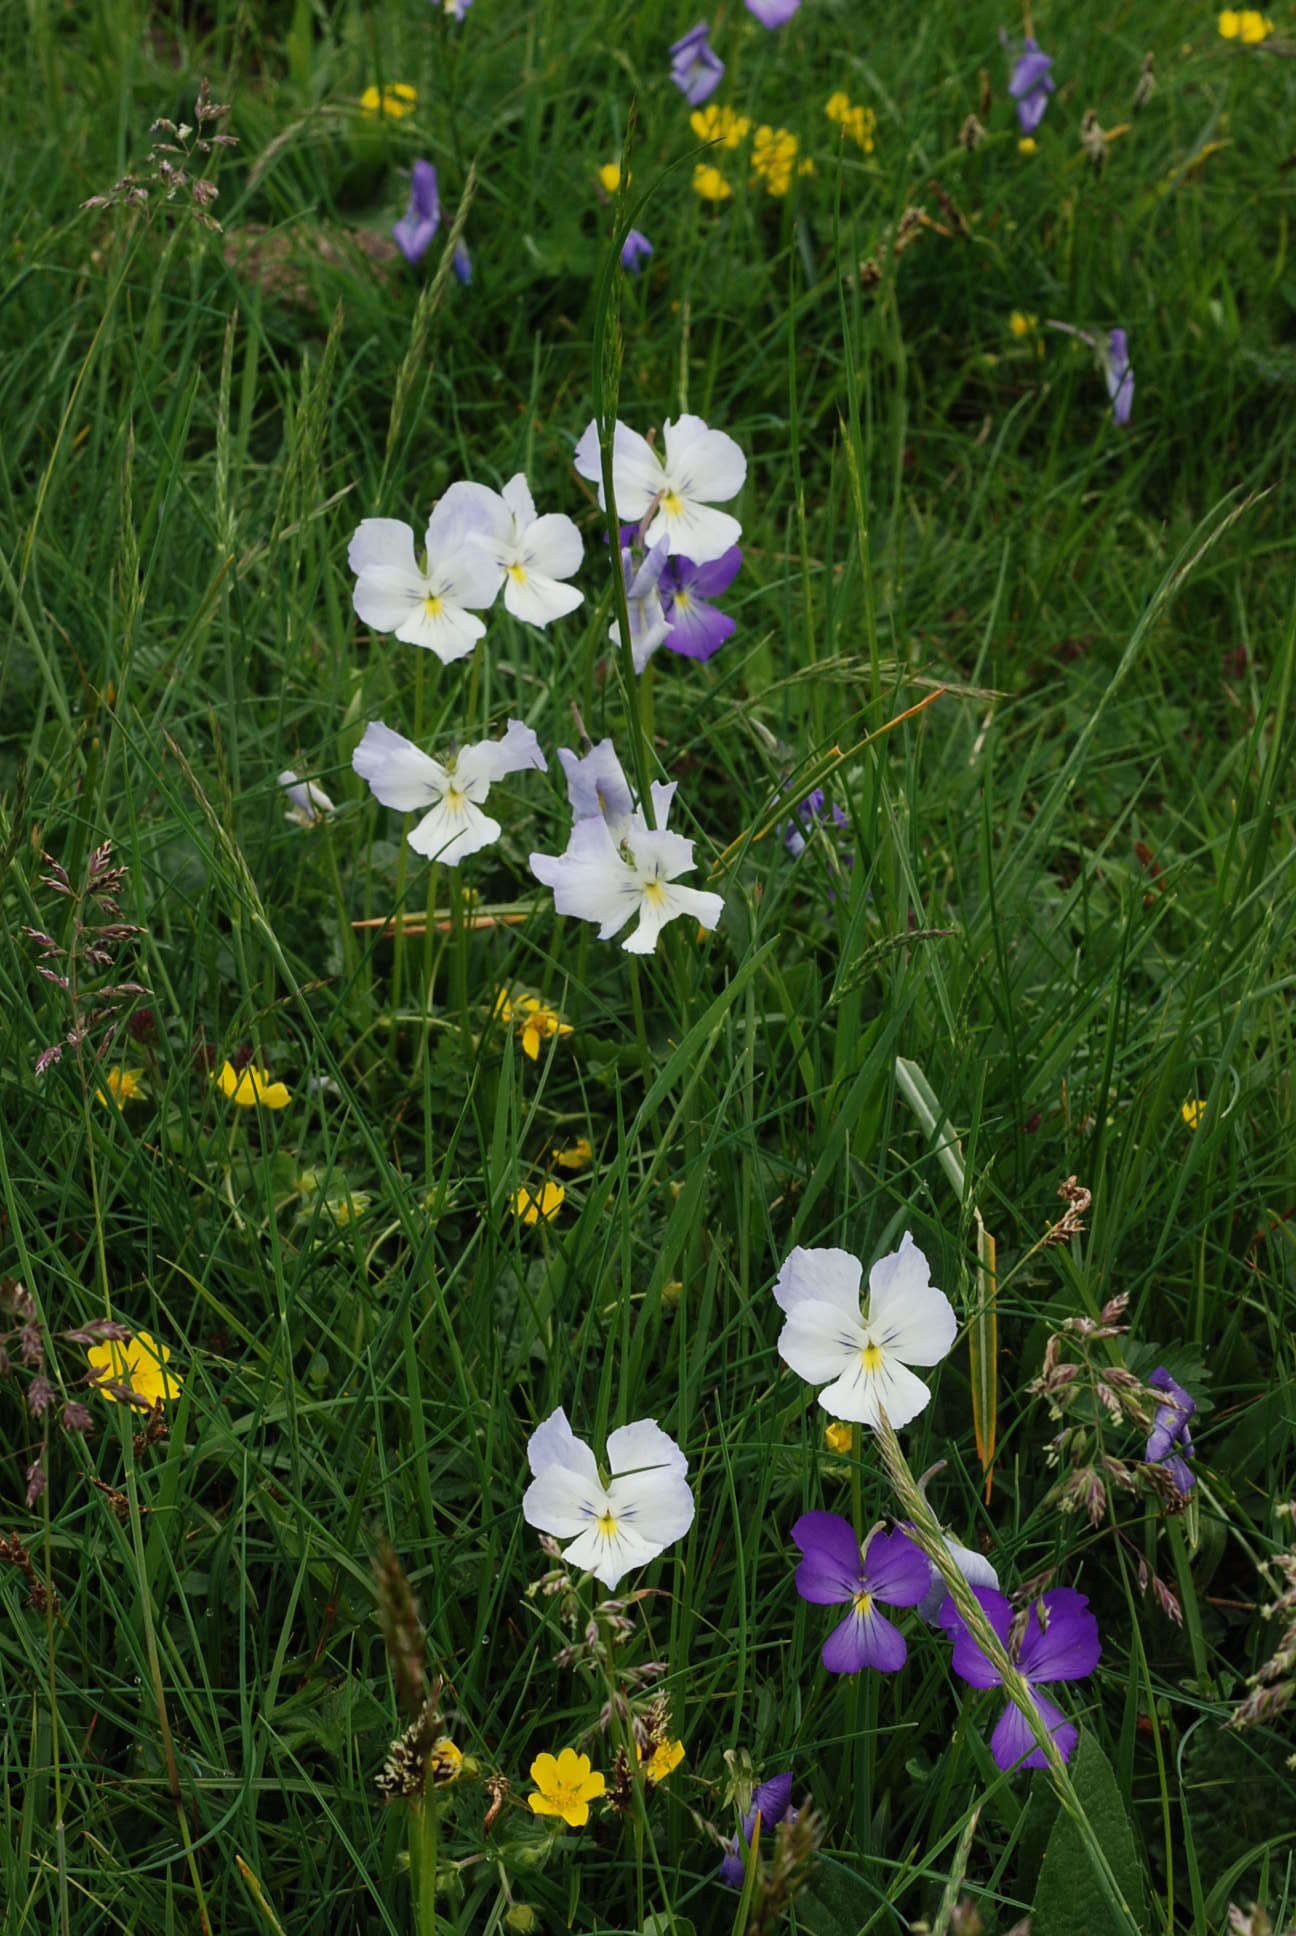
703, 463
818, 1343
828, 1276
643, 1443
562, 1501
705, 908
914, 1320
891, 1385
656, 1505
491, 759
609, 1559
590, 880
552, 545
554, 1443
381, 543
663, 792
653, 916
694, 530
388, 597
637, 474
517, 495
399, 775
453, 829
450, 632
658, 852
537, 599
463, 508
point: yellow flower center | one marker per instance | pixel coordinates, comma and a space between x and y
673, 503
455, 798
432, 605
871, 1357
517, 574
606, 1524
682, 600
654, 893
861, 1604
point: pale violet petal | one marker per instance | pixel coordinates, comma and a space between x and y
536, 599
382, 543
703, 463
398, 774
818, 1343
492, 759
553, 546
909, 1316
640, 1444
387, 597
517, 495
453, 829
827, 1276
694, 530
554, 1443
657, 1505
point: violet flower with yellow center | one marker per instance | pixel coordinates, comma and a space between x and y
891, 1571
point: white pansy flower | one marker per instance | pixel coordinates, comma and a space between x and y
702, 467
532, 555
863, 1361
308, 804
645, 1506
609, 874
433, 606
401, 776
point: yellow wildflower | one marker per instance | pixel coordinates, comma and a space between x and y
534, 1022
1230, 23
837, 1437
395, 101
251, 1086
1020, 323
444, 1762
712, 123
665, 1757
135, 1362
610, 176
344, 1209
672, 1292
565, 1785
576, 1156
1255, 27
710, 184
1028, 145
774, 155
123, 1085
1193, 1111
859, 123
532, 1208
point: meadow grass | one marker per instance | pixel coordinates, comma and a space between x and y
1044, 667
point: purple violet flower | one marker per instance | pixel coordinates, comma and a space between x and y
1170, 1430
1063, 1646
1119, 375
1031, 84
697, 629
770, 1802
462, 264
773, 13
457, 8
835, 1573
810, 813
696, 69
422, 219
648, 627
635, 251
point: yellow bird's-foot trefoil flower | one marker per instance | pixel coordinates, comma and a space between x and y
250, 1086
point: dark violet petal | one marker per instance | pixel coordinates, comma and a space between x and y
1014, 1746
708, 581
864, 1640
1181, 1474
462, 263
635, 251
770, 1802
1031, 72
1066, 1649
968, 1662
895, 1570
830, 1572
731, 1868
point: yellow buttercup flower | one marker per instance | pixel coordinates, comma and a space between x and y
1230, 23
546, 1205
136, 1362
1028, 145
1193, 1111
534, 1021
710, 184
123, 1085
610, 176
250, 1086
395, 101
1255, 27
666, 1756
565, 1785
838, 1437
576, 1156
774, 158
713, 123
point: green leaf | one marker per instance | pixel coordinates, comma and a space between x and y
1069, 1899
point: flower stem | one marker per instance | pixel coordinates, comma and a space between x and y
423, 1863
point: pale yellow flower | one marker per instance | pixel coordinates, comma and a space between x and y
1193, 1111
136, 1362
395, 101
713, 123
250, 1086
1028, 145
610, 176
774, 158
665, 1757
565, 1785
838, 1437
1020, 323
575, 1156
531, 1209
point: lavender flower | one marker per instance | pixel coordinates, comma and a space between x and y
696, 69
834, 1572
810, 813
635, 251
770, 1802
463, 263
421, 220
1119, 375
697, 629
597, 787
773, 13
1031, 84
1170, 1430
648, 627
1058, 1643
